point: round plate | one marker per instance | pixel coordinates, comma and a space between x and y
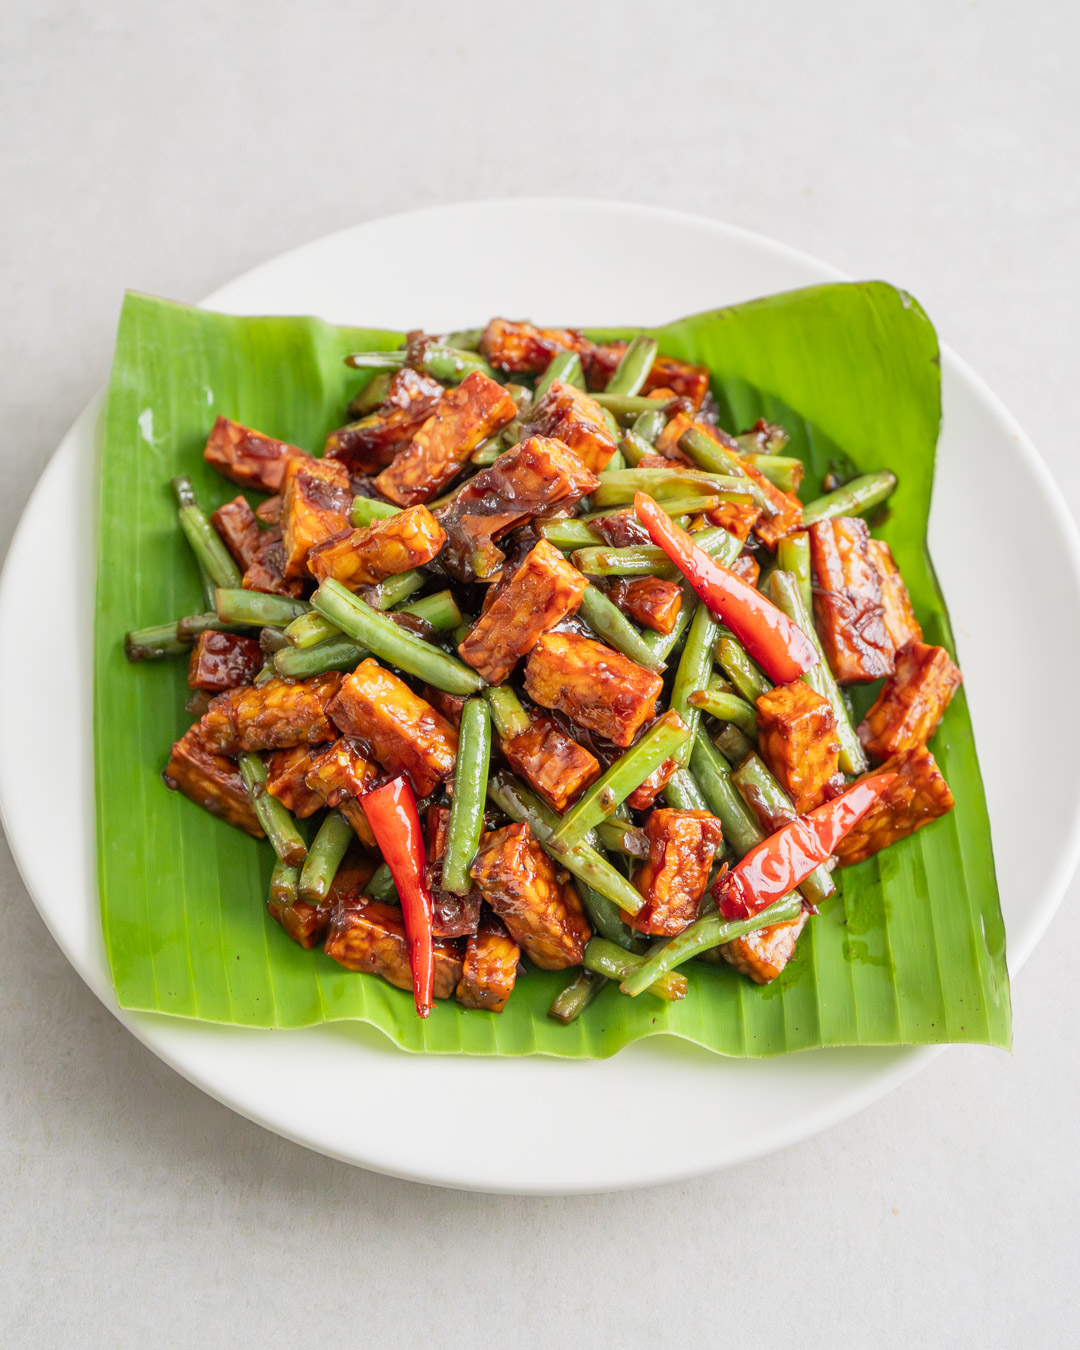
342, 1088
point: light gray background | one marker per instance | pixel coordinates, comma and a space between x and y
168, 148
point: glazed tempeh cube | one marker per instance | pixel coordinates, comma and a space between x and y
763, 954
314, 507
524, 349
370, 444
797, 739
577, 420
267, 571
848, 606
621, 529
204, 774
286, 774
651, 602
463, 417
738, 518
917, 796
682, 846
667, 443
248, 457
542, 591
385, 548
530, 478
221, 661
551, 762
646, 792
271, 716
538, 905
405, 734
490, 967
305, 923
596, 687
900, 621
238, 526
912, 701
365, 935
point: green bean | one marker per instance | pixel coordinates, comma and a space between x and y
324, 858
618, 459
376, 360
610, 623
448, 364
693, 673
391, 591
852, 499
368, 398
296, 663
770, 441
728, 707
622, 837
650, 422
764, 795
564, 367
634, 448
681, 792
606, 959
466, 822
783, 471
257, 608
785, 592
793, 555
192, 625
711, 931
634, 366
485, 454
647, 560
664, 740
509, 716
741, 829
465, 339
276, 821
572, 1001
606, 918
440, 610
284, 880
206, 544
150, 644
707, 452
743, 673
734, 744
566, 534
366, 511
619, 486
630, 405
309, 629
391, 643
584, 861
381, 885
208, 586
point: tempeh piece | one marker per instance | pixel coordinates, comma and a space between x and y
848, 606
405, 734
682, 846
539, 905
463, 417
267, 570
916, 796
209, 779
647, 791
314, 507
248, 457
738, 518
286, 771
339, 775
797, 738
221, 661
542, 591
490, 967
596, 687
369, 445
762, 955
912, 701
271, 716
386, 547
900, 621
551, 762
366, 935
577, 420
238, 526
524, 349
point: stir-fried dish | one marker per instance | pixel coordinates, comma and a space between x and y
556, 669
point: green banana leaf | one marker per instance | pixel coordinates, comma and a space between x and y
911, 950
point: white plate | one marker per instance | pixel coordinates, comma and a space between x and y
544, 1125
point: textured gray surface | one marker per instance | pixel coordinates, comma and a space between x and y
168, 149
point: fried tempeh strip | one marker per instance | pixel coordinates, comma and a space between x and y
682, 846
912, 701
542, 591
596, 687
464, 416
286, 771
405, 734
490, 967
524, 349
577, 420
314, 507
221, 661
848, 606
797, 739
238, 526
339, 774
762, 955
211, 780
248, 457
551, 762
532, 477
369, 445
366, 935
916, 796
271, 716
386, 547
539, 905
900, 621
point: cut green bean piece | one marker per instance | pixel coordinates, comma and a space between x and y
712, 771
151, 644
783, 471
465, 339
631, 405
619, 486
466, 821
610, 623
381, 885
324, 858
191, 625
605, 917
373, 393
568, 534
564, 367
448, 364
793, 555
376, 360
734, 744
634, 448
366, 511
440, 610
634, 366
606, 959
728, 707
571, 1002
766, 798
309, 629
664, 740
711, 931
296, 663
273, 817
852, 499
485, 455
284, 882
622, 837
650, 423
391, 643
393, 590
260, 610
206, 544
647, 560
509, 716
747, 677
695, 667
682, 793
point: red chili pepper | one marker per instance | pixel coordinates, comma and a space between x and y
780, 647
391, 813
778, 864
